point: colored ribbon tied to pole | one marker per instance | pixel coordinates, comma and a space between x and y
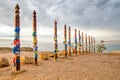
16, 48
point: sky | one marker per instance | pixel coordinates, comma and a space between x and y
98, 18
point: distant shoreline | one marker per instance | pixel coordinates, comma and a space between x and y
29, 49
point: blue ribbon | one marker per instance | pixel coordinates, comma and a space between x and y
55, 35
55, 51
75, 40
69, 43
16, 49
17, 61
36, 55
66, 45
34, 34
17, 29
35, 49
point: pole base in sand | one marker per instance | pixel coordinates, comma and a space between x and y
36, 64
55, 57
14, 72
55, 60
65, 57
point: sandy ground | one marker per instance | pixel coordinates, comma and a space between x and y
81, 67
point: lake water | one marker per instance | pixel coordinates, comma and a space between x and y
111, 46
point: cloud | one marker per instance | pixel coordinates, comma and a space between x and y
86, 15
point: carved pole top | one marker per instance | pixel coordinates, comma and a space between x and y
82, 33
55, 22
17, 8
94, 39
65, 25
75, 30
34, 12
69, 27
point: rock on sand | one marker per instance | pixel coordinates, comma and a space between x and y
4, 62
27, 59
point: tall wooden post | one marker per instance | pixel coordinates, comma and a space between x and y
86, 42
65, 40
35, 47
82, 43
55, 41
79, 43
69, 42
89, 42
76, 42
16, 49
94, 44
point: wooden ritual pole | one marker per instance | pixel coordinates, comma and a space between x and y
86, 42
82, 43
94, 44
35, 47
69, 42
16, 48
65, 40
76, 42
89, 42
55, 41
79, 43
